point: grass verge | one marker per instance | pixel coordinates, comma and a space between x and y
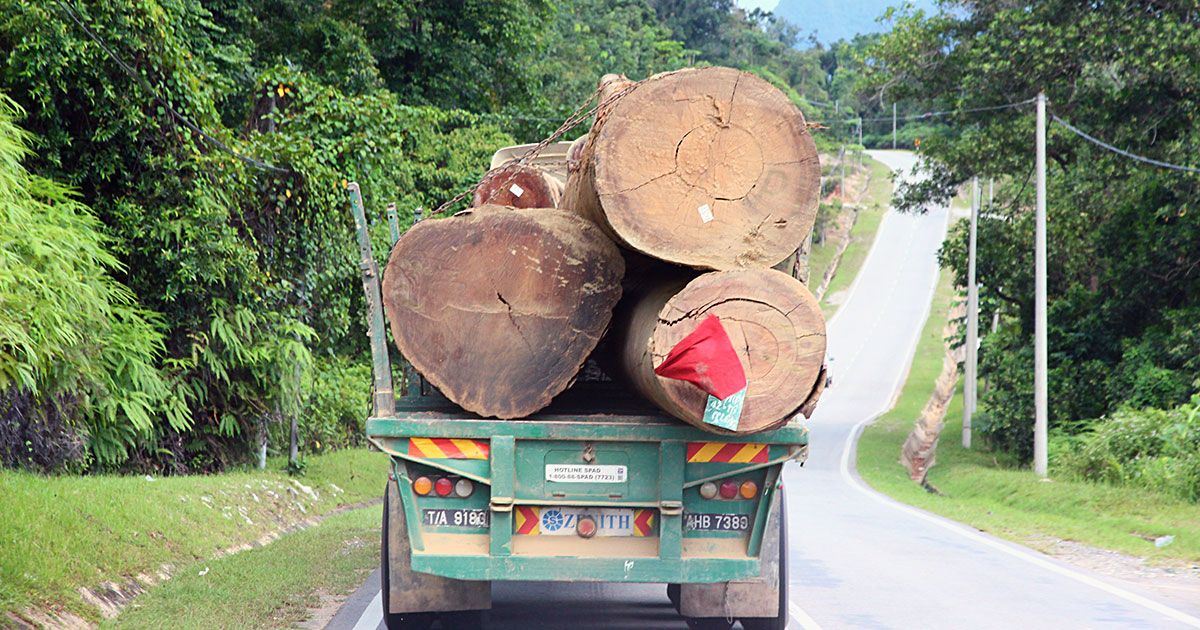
873, 204
61, 534
986, 491
269, 587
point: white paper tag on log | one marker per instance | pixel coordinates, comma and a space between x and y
725, 413
705, 213
516, 190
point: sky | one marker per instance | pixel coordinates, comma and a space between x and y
831, 20
765, 5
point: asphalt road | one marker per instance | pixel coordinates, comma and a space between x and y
859, 560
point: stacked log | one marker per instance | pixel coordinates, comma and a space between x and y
775, 326
499, 307
707, 178
710, 168
517, 186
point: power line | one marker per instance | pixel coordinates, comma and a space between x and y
1127, 154
71, 13
925, 115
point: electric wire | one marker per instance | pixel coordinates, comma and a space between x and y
926, 115
71, 13
1120, 152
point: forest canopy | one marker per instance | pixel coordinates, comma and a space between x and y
171, 303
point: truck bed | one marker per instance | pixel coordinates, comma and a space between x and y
589, 411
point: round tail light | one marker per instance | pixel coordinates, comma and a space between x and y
443, 487
729, 489
464, 488
708, 490
586, 527
749, 489
422, 486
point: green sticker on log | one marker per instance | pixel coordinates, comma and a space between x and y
725, 413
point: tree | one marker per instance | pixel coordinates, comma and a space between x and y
1125, 236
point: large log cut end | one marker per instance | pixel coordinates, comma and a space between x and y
710, 168
518, 186
774, 323
498, 307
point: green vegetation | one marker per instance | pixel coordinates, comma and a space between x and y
995, 494
1124, 295
871, 209
109, 528
1146, 448
266, 584
221, 297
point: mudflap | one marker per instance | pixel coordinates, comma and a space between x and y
411, 591
748, 597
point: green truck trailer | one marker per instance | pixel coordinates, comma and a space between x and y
599, 486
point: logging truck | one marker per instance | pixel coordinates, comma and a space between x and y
599, 486
512, 455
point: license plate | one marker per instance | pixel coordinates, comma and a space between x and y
577, 473
456, 518
716, 522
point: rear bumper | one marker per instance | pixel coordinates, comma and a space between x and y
558, 558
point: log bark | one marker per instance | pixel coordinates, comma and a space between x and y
498, 307
919, 451
710, 168
518, 186
775, 326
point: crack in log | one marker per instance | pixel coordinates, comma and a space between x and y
511, 318
711, 305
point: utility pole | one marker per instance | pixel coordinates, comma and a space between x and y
1039, 345
893, 125
971, 384
836, 107
843, 161
860, 151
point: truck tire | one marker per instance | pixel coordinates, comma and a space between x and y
465, 620
396, 621
780, 621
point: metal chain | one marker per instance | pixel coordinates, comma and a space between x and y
579, 116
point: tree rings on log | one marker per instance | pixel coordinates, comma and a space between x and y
518, 186
710, 168
774, 323
498, 307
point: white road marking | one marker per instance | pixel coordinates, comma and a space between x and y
373, 615
800, 617
1016, 552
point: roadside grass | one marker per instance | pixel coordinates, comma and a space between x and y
61, 534
987, 491
874, 203
268, 587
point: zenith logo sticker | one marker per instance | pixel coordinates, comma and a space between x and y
553, 520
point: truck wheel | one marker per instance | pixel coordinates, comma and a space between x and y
673, 595
465, 620
778, 622
396, 621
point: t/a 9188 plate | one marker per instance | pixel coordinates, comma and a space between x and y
716, 522
455, 518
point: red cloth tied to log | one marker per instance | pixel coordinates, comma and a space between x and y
706, 359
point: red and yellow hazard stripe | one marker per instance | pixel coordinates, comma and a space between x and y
447, 448
643, 522
527, 520
721, 452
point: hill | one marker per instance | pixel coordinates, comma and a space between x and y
832, 20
